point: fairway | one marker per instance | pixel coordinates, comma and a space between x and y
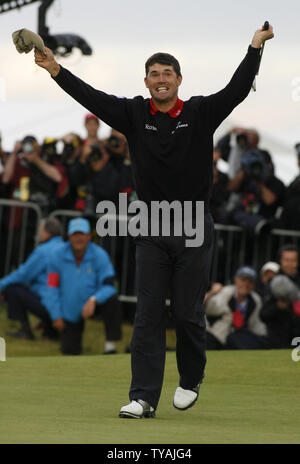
247, 397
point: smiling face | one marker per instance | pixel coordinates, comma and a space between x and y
163, 82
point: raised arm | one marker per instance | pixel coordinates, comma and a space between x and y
220, 104
112, 110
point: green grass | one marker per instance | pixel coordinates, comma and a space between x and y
247, 397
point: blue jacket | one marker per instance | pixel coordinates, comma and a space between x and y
70, 284
34, 271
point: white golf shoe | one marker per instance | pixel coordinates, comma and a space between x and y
184, 399
137, 409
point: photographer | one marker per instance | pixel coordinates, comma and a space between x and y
92, 126
117, 147
30, 176
220, 192
92, 174
95, 177
281, 312
63, 153
256, 192
290, 218
233, 146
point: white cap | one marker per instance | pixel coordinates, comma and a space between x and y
270, 266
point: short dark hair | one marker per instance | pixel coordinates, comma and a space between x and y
163, 58
287, 247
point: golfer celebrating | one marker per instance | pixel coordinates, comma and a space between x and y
171, 146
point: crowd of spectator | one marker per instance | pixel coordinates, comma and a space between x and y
75, 173
69, 172
258, 310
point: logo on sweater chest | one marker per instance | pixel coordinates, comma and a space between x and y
180, 125
150, 127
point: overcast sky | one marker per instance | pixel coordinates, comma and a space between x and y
209, 39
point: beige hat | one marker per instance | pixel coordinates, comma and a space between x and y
25, 40
270, 266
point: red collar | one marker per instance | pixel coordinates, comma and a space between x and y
173, 112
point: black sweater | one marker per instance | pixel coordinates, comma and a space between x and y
171, 157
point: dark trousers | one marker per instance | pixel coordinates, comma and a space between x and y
111, 314
243, 339
166, 266
21, 301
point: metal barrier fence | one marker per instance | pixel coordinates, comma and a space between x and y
233, 246
19, 223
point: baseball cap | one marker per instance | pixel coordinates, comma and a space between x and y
91, 116
79, 225
246, 272
270, 266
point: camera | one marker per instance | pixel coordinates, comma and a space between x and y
95, 154
254, 165
63, 44
242, 140
113, 142
27, 147
67, 152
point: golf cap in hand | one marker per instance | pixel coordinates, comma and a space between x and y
26, 40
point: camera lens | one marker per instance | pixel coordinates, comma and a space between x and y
27, 147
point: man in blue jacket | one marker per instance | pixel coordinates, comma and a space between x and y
80, 286
25, 289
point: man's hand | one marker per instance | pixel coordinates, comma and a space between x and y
89, 308
17, 147
31, 157
260, 36
59, 324
47, 61
216, 288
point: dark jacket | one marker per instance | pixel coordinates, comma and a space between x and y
171, 153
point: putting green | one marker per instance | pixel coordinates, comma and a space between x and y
247, 397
